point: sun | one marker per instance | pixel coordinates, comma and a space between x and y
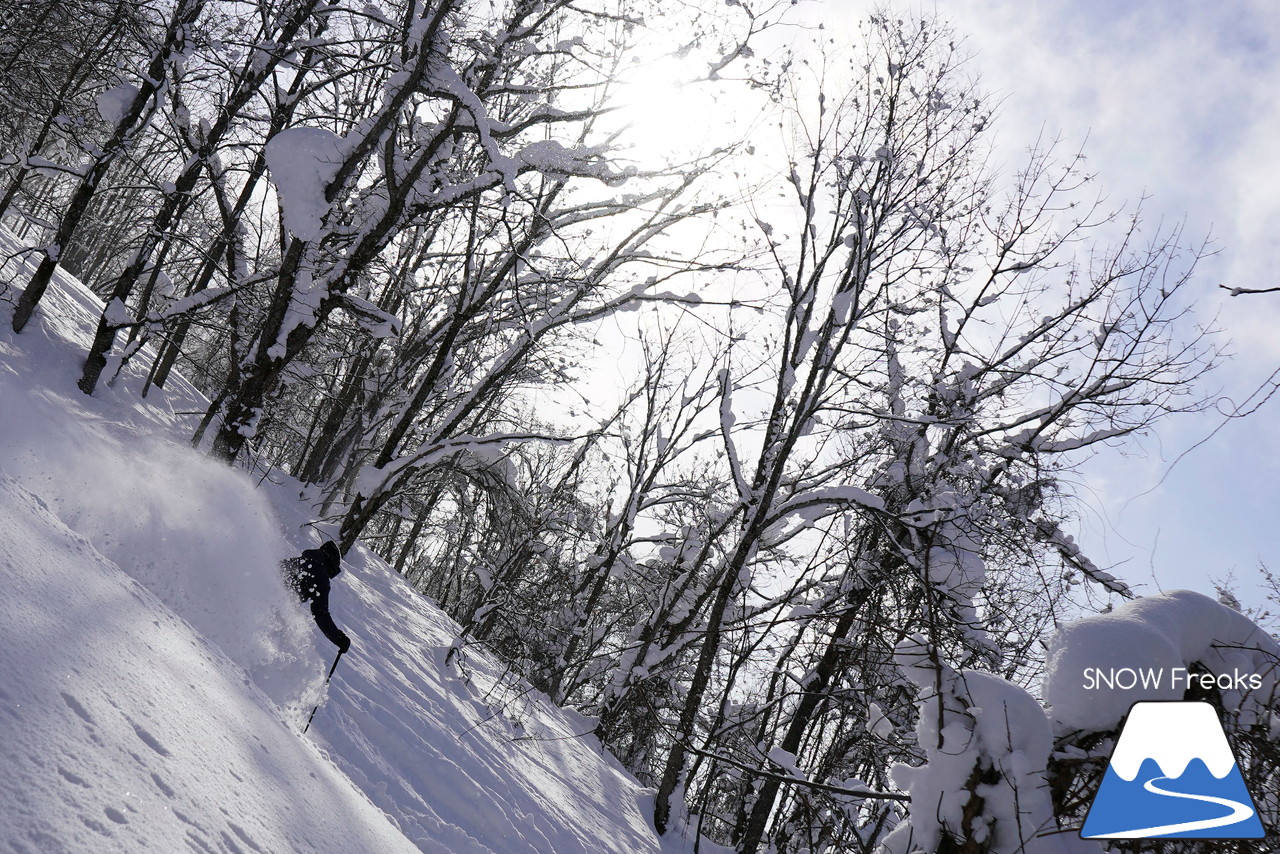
666, 109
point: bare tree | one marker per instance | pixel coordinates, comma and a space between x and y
137, 103
201, 139
941, 356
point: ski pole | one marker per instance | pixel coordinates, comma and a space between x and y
326, 681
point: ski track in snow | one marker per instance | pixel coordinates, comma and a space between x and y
134, 718
481, 762
1239, 812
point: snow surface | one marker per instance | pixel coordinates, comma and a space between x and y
121, 729
155, 674
191, 530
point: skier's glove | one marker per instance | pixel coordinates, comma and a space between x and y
345, 643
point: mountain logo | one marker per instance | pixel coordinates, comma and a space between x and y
1172, 776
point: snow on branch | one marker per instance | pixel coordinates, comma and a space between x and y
1044, 445
817, 503
555, 159
1154, 635
829, 788
303, 162
373, 480
372, 319
1052, 535
727, 420
986, 745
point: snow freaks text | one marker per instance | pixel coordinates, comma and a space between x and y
1156, 678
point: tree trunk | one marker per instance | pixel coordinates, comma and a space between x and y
121, 138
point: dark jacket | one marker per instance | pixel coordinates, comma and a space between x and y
309, 574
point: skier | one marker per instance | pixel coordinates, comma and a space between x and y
308, 574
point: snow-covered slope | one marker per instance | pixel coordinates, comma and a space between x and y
468, 764
121, 729
155, 675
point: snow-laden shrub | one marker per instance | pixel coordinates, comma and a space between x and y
982, 784
1156, 635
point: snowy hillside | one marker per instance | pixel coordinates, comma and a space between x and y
155, 674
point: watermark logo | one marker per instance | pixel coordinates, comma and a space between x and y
1177, 678
1172, 776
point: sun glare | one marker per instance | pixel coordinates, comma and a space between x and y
667, 107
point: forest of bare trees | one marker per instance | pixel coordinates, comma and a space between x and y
748, 457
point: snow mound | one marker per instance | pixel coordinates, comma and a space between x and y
1152, 634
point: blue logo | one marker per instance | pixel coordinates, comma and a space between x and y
1172, 776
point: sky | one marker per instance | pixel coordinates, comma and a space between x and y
1176, 104
1178, 101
